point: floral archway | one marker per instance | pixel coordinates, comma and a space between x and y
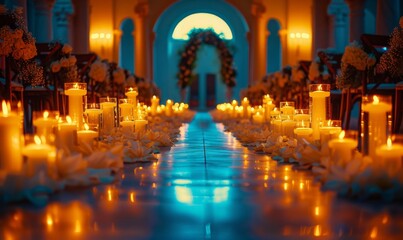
188, 57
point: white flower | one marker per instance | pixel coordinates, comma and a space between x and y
119, 76
72, 60
67, 49
64, 62
98, 71
55, 66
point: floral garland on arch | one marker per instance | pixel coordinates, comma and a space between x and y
188, 57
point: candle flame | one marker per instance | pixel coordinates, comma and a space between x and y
320, 87
329, 123
234, 102
5, 108
389, 142
154, 97
37, 140
302, 123
68, 119
376, 99
342, 134
86, 127
45, 114
75, 85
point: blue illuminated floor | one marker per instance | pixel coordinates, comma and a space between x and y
206, 187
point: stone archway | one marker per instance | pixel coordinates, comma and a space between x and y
165, 55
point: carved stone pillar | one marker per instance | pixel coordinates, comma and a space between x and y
43, 20
340, 12
81, 26
143, 44
257, 39
62, 11
357, 20
387, 16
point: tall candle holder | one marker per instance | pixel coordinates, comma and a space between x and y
109, 115
76, 91
45, 124
319, 106
132, 93
93, 116
375, 125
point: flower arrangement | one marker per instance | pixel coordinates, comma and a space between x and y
354, 63
15, 40
188, 57
98, 78
392, 60
62, 67
31, 74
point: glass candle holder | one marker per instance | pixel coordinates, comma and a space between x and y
125, 108
319, 106
93, 116
329, 129
287, 110
375, 125
75, 92
303, 130
390, 156
342, 148
109, 115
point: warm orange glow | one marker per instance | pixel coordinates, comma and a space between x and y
376, 99
68, 119
37, 140
317, 213
374, 233
5, 108
77, 227
389, 142
109, 195
45, 114
86, 127
318, 231
132, 197
342, 134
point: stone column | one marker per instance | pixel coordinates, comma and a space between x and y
340, 12
81, 26
387, 16
257, 42
43, 20
357, 19
142, 45
62, 11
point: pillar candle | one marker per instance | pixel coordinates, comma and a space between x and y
66, 135
168, 107
341, 149
93, 117
127, 126
258, 118
10, 140
327, 133
140, 125
245, 105
389, 157
155, 102
304, 132
36, 156
287, 127
125, 108
44, 126
287, 109
87, 136
377, 121
75, 93
108, 107
318, 107
268, 107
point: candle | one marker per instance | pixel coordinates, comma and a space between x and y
108, 106
155, 102
93, 114
10, 140
168, 107
341, 149
37, 155
66, 135
234, 105
287, 110
140, 125
258, 118
303, 132
330, 130
125, 108
287, 127
87, 136
76, 91
45, 126
127, 126
377, 122
319, 95
245, 105
390, 156
268, 107
131, 93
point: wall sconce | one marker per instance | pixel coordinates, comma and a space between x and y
299, 35
101, 41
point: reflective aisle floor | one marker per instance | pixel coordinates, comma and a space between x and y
206, 187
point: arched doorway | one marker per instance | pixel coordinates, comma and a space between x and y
273, 46
166, 57
126, 46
